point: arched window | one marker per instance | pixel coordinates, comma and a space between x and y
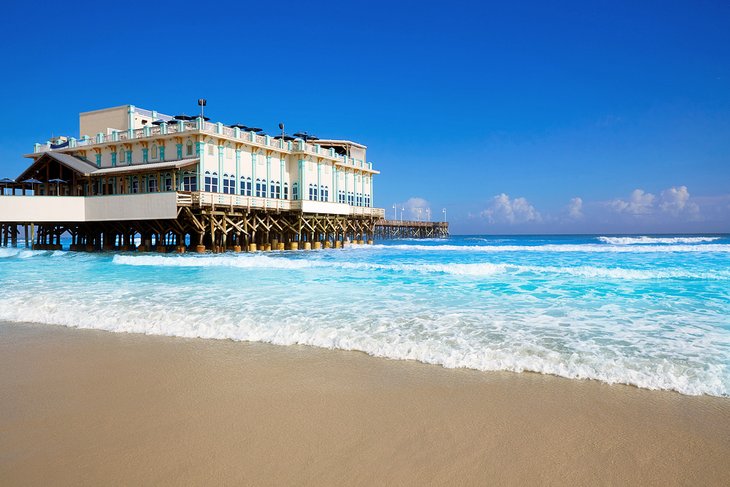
214, 182
225, 183
286, 191
153, 151
122, 156
249, 189
275, 189
152, 184
190, 181
208, 182
189, 148
264, 188
168, 182
258, 188
295, 191
135, 185
324, 193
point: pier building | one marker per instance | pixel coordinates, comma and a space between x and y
137, 178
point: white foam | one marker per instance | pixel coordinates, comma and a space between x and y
588, 248
495, 342
482, 269
643, 240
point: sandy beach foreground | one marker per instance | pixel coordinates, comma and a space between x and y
84, 407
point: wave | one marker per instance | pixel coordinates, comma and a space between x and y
643, 240
482, 269
449, 346
589, 248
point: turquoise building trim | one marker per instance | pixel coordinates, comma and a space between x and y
114, 159
179, 150
98, 160
145, 154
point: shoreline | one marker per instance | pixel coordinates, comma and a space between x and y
89, 407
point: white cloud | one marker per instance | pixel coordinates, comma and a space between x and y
415, 208
506, 210
676, 201
639, 203
575, 208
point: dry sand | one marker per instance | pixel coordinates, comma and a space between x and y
80, 407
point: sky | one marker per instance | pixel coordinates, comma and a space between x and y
514, 117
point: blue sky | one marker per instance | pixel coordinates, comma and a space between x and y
559, 116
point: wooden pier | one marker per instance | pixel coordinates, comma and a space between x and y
385, 229
204, 222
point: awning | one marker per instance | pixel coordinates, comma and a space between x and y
142, 168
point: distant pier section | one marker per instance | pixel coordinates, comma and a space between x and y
386, 229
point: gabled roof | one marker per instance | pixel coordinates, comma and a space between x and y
86, 169
74, 163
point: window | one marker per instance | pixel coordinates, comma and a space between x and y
153, 151
313, 192
122, 157
295, 191
245, 186
258, 188
367, 201
324, 193
189, 148
168, 182
350, 198
264, 188
229, 184
286, 191
210, 149
152, 184
190, 181
135, 185
214, 183
275, 189
208, 182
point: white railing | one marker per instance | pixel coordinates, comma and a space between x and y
177, 127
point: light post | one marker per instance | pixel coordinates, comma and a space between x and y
444, 212
418, 212
428, 214
395, 212
401, 213
202, 102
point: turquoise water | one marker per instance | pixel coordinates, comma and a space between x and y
649, 311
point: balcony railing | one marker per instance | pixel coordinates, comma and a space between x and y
122, 136
203, 198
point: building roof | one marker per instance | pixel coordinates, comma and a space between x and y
86, 169
147, 167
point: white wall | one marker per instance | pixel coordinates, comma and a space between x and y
40, 209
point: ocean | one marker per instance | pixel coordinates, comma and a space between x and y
650, 311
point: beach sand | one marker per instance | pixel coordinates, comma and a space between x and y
82, 407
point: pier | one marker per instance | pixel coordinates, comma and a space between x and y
386, 229
141, 180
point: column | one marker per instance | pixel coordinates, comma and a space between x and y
237, 189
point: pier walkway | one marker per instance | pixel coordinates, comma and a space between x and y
410, 229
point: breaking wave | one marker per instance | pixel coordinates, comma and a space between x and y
475, 269
656, 240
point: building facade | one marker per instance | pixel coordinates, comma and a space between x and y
131, 164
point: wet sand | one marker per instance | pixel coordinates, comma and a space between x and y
82, 407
